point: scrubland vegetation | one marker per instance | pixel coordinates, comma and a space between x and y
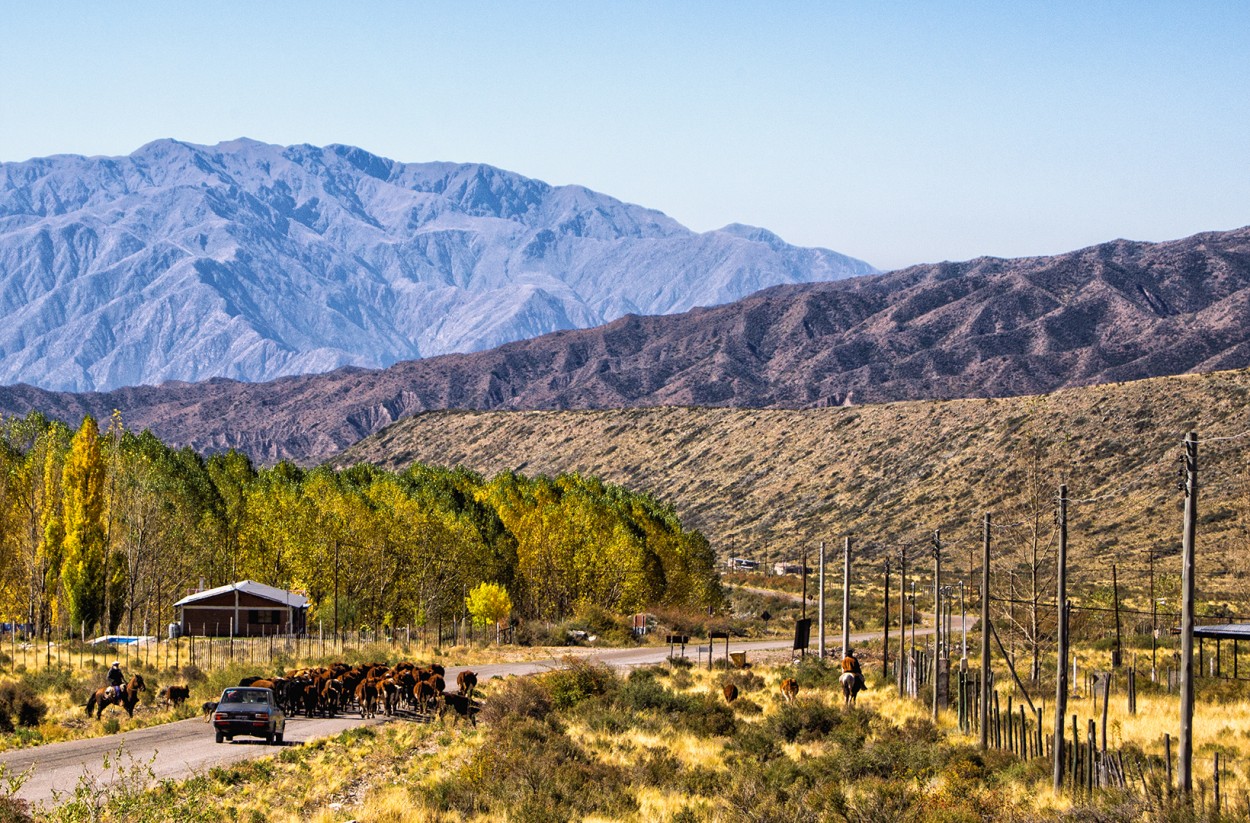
585, 742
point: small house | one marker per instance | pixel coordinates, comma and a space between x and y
244, 609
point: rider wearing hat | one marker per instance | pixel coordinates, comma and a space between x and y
116, 677
850, 663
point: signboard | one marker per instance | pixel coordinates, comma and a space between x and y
719, 635
802, 633
677, 639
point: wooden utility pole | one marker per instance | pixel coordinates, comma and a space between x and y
985, 637
1154, 618
1115, 594
846, 597
902, 612
803, 614
937, 617
1061, 640
820, 603
1185, 754
885, 624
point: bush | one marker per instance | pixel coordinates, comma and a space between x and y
578, 680
520, 698
805, 720
19, 705
530, 773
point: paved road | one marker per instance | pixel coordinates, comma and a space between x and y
180, 749
186, 747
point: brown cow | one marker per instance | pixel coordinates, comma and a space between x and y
177, 695
462, 705
367, 698
789, 689
425, 696
731, 692
466, 682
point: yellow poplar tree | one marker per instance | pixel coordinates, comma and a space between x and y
489, 603
82, 572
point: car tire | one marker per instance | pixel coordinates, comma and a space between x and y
220, 737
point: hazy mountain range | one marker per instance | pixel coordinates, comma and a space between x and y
983, 328
253, 261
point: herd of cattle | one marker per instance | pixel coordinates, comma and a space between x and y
327, 691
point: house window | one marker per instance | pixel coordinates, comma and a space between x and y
264, 617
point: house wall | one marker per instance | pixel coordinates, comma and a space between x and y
257, 617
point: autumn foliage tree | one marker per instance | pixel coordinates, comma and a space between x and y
82, 568
128, 518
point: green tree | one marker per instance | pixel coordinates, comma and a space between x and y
84, 495
489, 603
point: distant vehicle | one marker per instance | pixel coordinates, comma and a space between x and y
250, 711
742, 564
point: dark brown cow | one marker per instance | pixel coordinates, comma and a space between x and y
731, 692
177, 695
466, 682
462, 705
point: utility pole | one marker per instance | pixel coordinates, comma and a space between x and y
885, 624
937, 617
1154, 617
963, 625
985, 637
1118, 659
803, 615
820, 603
1061, 632
846, 597
902, 611
1185, 754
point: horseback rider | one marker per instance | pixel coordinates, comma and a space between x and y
850, 663
116, 678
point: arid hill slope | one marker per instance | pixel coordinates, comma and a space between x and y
984, 328
770, 483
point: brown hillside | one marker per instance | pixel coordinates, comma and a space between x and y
771, 483
984, 328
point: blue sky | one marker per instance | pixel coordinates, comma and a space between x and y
896, 132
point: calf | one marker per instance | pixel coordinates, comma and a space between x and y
177, 695
208, 708
466, 682
462, 705
731, 692
789, 689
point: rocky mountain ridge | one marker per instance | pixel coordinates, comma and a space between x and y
983, 328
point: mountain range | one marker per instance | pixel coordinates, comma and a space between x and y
253, 261
983, 328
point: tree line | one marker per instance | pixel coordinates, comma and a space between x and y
107, 529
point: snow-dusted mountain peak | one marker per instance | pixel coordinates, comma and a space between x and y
251, 261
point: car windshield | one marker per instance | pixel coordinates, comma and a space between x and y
245, 696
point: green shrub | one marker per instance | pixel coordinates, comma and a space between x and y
578, 680
518, 697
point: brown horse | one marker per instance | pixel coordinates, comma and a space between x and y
127, 698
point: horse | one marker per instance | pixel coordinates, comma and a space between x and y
852, 685
107, 696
